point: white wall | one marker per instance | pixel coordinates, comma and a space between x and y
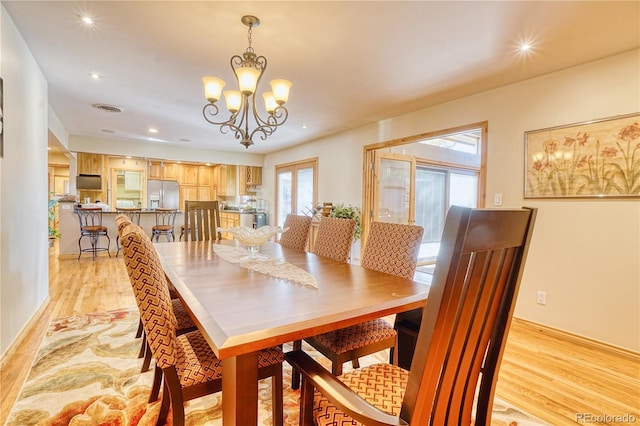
585, 253
23, 220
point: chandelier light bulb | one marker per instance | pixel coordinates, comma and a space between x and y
247, 79
212, 88
270, 103
233, 99
280, 89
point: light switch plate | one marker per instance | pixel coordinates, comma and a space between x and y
497, 199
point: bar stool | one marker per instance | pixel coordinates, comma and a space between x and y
91, 226
133, 213
165, 220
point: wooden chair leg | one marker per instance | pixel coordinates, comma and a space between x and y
140, 330
164, 406
306, 404
147, 358
172, 383
295, 376
277, 398
336, 368
157, 382
355, 362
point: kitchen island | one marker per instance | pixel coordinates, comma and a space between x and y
69, 229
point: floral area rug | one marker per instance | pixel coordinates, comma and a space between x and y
87, 372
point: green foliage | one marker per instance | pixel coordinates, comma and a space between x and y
348, 212
53, 233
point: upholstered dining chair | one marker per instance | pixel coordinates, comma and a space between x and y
165, 222
461, 339
188, 365
133, 213
91, 226
391, 248
298, 233
184, 321
335, 238
201, 221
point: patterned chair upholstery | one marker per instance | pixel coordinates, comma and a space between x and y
460, 343
335, 237
391, 248
187, 363
184, 321
132, 214
298, 233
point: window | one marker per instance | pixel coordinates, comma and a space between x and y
296, 189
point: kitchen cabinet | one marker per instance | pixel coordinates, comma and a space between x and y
227, 180
253, 175
227, 220
188, 193
93, 164
160, 170
188, 174
204, 175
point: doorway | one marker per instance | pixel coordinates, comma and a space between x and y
415, 180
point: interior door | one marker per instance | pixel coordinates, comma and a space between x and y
394, 188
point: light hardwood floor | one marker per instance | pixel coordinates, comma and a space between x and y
550, 374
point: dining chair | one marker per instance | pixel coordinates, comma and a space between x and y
461, 339
133, 213
186, 362
202, 220
91, 226
165, 221
335, 238
391, 248
184, 321
297, 235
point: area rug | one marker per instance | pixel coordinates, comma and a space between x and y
87, 372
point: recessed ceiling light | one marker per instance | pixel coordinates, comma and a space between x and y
152, 130
305, 126
95, 75
525, 47
87, 20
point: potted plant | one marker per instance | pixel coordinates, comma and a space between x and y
348, 212
53, 232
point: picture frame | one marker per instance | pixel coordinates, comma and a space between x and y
1, 119
593, 159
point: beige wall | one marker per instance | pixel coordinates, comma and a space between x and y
584, 252
23, 186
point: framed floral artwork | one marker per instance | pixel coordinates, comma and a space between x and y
599, 158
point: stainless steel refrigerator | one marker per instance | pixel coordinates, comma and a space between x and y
163, 194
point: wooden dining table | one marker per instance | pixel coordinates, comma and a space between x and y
241, 311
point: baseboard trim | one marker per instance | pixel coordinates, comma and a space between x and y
26, 330
578, 339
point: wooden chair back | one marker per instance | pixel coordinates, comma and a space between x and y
335, 237
467, 317
298, 233
393, 248
202, 220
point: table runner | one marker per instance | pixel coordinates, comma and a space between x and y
273, 267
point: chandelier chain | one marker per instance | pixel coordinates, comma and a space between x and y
249, 34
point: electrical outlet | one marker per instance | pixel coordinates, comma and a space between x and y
497, 199
541, 297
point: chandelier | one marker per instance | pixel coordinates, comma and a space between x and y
241, 104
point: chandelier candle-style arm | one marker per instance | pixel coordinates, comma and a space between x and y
241, 103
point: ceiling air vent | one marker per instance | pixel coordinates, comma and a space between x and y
108, 108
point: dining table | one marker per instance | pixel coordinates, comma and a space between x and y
243, 302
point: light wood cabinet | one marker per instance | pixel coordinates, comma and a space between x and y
160, 170
253, 175
171, 171
227, 180
187, 193
227, 220
188, 174
90, 164
204, 175
221, 179
205, 193
232, 180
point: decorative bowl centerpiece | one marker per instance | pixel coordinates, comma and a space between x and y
253, 238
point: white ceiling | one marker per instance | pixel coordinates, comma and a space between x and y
351, 63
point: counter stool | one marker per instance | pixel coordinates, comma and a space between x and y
165, 220
91, 226
133, 213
